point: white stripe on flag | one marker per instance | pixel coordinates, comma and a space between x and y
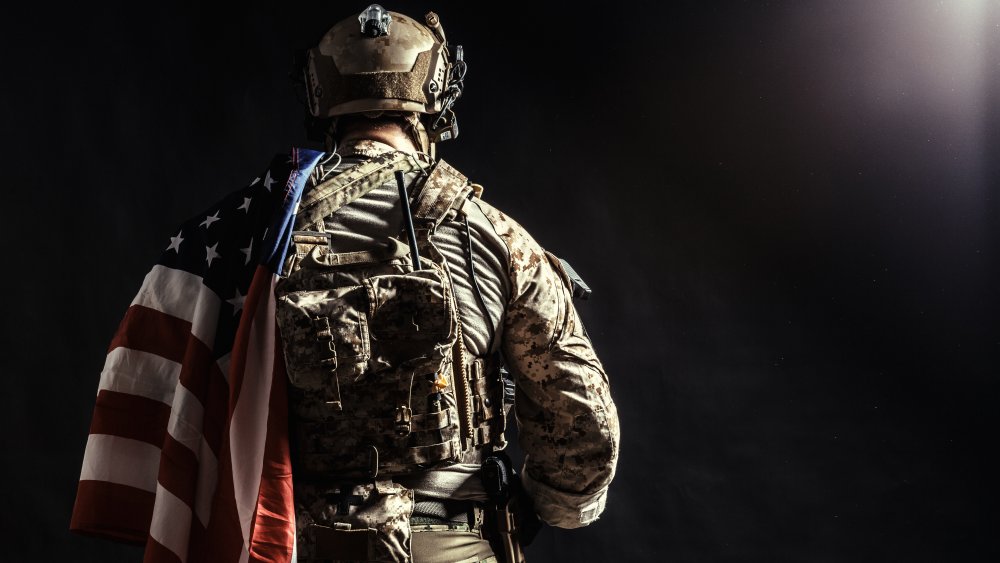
185, 422
171, 524
140, 373
121, 460
249, 423
182, 295
185, 426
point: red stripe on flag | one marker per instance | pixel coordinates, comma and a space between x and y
198, 541
158, 553
178, 470
273, 532
216, 403
158, 333
130, 416
225, 539
201, 375
224, 527
112, 511
155, 332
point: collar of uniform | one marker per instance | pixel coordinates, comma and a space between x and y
368, 148
364, 147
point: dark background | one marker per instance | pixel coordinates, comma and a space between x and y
787, 212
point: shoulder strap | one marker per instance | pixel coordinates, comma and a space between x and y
444, 190
350, 185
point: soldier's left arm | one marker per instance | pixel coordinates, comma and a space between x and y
567, 421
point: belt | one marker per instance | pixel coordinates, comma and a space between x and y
450, 513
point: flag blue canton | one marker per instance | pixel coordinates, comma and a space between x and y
250, 228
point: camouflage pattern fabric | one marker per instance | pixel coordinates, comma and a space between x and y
353, 522
365, 349
567, 421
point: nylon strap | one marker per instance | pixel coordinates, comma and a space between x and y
444, 190
419, 423
351, 184
358, 467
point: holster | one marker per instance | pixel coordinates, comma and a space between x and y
501, 520
512, 514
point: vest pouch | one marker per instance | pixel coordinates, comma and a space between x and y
354, 522
413, 321
325, 336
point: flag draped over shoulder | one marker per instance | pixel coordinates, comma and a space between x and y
188, 450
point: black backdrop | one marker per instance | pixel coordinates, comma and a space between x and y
787, 211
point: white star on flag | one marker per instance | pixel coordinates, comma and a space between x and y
175, 242
236, 301
211, 254
255, 180
269, 181
246, 204
210, 219
248, 251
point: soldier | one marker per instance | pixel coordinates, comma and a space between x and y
399, 295
405, 297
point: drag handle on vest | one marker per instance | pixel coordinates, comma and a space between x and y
404, 200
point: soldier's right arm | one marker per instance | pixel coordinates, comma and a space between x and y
567, 421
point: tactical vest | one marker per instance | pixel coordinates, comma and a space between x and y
381, 384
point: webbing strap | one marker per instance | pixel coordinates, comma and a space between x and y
388, 463
418, 423
444, 190
350, 185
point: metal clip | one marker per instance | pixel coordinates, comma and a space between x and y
404, 418
372, 461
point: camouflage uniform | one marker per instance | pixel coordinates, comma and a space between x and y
568, 424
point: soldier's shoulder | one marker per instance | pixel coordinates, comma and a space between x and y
506, 227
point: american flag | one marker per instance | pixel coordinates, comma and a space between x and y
188, 451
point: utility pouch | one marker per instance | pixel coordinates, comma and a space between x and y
325, 332
369, 359
337, 335
413, 323
355, 522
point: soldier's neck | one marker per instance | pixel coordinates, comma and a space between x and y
393, 137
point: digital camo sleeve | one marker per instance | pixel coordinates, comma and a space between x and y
567, 422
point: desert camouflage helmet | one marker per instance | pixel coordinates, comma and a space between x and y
383, 61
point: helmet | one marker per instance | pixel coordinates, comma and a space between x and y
383, 62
